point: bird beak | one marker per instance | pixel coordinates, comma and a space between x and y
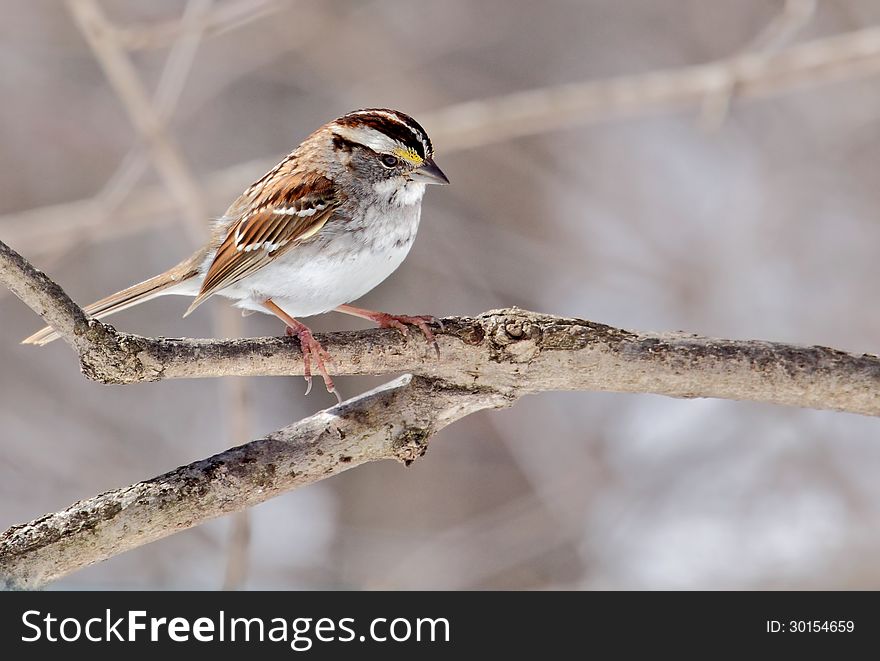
429, 173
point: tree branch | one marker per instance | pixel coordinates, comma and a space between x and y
512, 351
44, 297
486, 361
393, 421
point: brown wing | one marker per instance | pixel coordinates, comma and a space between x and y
279, 218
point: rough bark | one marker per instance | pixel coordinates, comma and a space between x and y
393, 421
486, 361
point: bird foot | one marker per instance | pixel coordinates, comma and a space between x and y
401, 323
312, 350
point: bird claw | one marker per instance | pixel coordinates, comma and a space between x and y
400, 323
312, 350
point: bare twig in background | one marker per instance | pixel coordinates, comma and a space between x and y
167, 157
236, 413
506, 522
149, 119
831, 59
108, 202
237, 554
777, 34
468, 125
168, 91
53, 228
228, 16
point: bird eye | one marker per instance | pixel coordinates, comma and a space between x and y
390, 161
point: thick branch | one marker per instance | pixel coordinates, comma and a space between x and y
510, 351
392, 422
44, 297
486, 362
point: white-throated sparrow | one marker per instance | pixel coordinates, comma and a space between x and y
322, 228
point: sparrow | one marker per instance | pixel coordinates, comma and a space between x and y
319, 230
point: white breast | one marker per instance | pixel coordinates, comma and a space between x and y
314, 278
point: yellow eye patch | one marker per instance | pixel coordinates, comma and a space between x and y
408, 155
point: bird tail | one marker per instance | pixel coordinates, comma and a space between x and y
127, 298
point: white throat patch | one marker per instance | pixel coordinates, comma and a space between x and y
399, 192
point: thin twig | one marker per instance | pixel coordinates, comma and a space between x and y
235, 399
239, 543
168, 91
777, 34
229, 16
108, 202
474, 124
226, 322
120, 72
832, 59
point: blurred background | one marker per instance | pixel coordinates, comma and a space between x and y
716, 214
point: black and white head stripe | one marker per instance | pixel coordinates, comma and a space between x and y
384, 130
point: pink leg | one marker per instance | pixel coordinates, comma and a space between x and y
311, 348
397, 321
